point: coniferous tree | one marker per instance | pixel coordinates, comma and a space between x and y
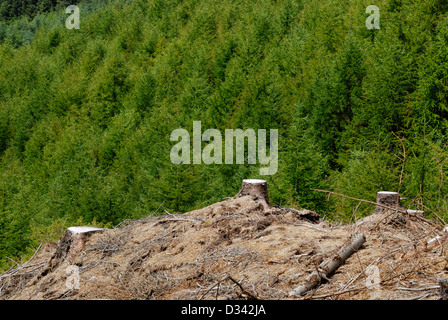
333, 99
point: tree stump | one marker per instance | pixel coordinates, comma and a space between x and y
387, 198
256, 188
73, 242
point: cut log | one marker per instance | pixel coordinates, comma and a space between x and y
256, 188
387, 198
327, 268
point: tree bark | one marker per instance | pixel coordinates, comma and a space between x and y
329, 267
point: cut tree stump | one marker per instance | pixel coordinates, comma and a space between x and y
73, 241
387, 198
71, 244
256, 188
328, 267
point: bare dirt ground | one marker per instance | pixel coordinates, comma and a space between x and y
236, 249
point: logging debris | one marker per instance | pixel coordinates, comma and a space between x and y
244, 248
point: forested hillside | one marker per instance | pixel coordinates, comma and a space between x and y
86, 114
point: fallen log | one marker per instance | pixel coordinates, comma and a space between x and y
327, 268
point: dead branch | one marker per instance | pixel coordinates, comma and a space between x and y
333, 294
393, 210
249, 295
329, 267
402, 210
210, 288
430, 244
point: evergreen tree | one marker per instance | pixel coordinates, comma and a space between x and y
333, 98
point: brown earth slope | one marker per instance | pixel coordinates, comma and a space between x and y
238, 249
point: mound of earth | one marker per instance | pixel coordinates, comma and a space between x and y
239, 248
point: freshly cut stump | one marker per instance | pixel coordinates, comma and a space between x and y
71, 244
387, 198
73, 241
258, 189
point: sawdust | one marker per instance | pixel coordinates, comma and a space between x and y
236, 249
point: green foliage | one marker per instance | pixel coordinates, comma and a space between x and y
302, 166
366, 173
333, 99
